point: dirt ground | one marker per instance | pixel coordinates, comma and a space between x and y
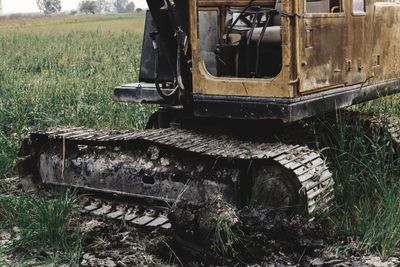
117, 244
265, 238
291, 243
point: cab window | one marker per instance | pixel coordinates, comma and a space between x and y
324, 6
358, 6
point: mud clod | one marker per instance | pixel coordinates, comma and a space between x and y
108, 243
219, 233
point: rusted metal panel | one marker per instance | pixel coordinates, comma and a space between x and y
385, 50
322, 61
217, 3
205, 83
321, 51
290, 109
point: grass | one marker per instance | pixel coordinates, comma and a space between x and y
9, 148
366, 170
55, 72
120, 22
61, 71
64, 73
225, 238
41, 227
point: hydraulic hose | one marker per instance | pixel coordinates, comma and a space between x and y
229, 31
156, 70
180, 40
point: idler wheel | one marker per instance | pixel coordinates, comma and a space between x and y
274, 186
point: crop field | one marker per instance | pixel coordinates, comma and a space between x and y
62, 71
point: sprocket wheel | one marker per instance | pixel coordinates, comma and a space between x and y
273, 186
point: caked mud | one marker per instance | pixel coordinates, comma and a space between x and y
220, 234
261, 237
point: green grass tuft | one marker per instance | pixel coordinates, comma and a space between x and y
40, 226
8, 154
366, 170
225, 238
52, 76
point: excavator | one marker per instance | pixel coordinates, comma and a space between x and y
229, 77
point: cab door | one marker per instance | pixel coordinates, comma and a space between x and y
358, 36
323, 41
385, 45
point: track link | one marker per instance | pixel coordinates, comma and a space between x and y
389, 125
386, 125
135, 215
307, 165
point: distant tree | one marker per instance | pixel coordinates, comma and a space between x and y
124, 6
139, 10
104, 6
130, 7
49, 6
88, 6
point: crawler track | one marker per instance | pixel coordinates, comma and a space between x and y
383, 124
388, 125
138, 216
166, 165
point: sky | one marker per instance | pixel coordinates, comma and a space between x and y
29, 6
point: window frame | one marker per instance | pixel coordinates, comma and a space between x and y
358, 13
341, 14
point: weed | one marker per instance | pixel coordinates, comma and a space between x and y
225, 238
56, 72
366, 170
99, 242
7, 152
41, 227
62, 72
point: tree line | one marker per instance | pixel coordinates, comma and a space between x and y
87, 6
106, 6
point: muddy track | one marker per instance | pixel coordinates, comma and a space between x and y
152, 218
182, 162
160, 146
388, 125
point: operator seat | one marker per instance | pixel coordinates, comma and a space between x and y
273, 33
277, 18
265, 56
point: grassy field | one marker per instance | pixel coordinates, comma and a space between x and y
61, 71
57, 72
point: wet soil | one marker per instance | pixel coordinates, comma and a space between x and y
263, 237
267, 240
109, 244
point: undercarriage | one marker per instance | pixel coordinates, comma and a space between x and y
172, 165
207, 64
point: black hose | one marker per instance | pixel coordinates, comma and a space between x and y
268, 14
179, 80
156, 69
253, 25
229, 31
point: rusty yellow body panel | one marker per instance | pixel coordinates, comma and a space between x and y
280, 86
384, 53
320, 51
